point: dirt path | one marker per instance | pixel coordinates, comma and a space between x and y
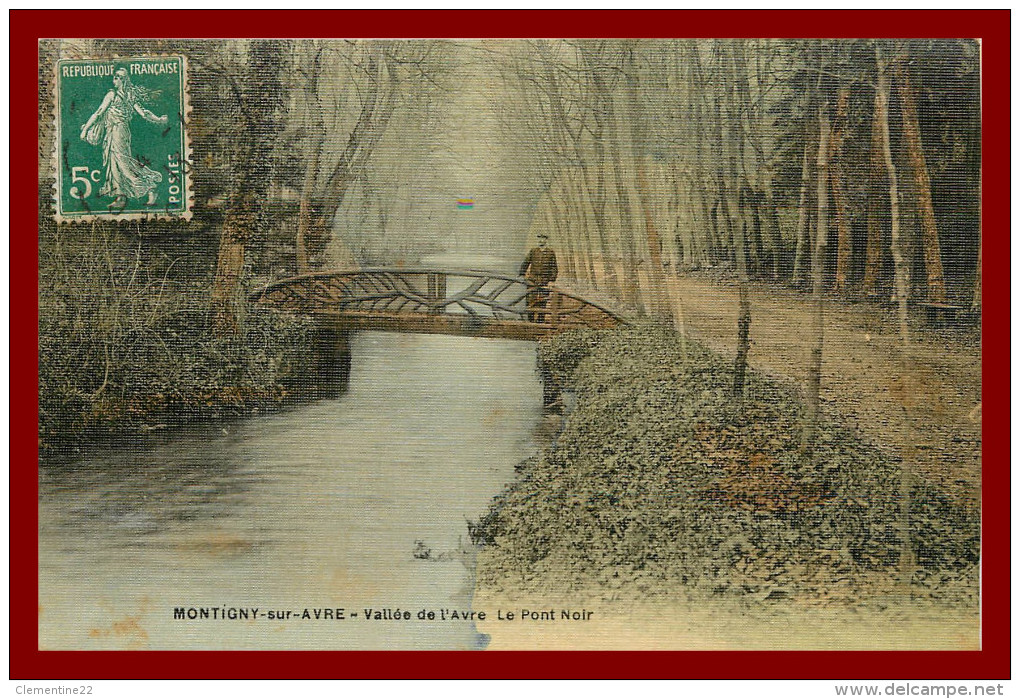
930, 414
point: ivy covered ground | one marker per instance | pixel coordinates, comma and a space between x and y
660, 481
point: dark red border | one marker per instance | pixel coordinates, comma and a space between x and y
992, 26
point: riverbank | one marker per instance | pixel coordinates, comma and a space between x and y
125, 343
167, 372
661, 487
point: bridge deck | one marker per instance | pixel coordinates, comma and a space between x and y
468, 303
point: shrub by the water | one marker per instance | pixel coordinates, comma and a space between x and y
125, 342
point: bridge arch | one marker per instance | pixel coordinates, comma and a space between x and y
431, 300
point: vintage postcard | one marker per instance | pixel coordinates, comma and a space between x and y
510, 344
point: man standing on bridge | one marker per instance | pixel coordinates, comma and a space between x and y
540, 270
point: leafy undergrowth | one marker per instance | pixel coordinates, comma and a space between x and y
660, 479
125, 341
170, 370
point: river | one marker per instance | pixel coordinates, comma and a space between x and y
354, 503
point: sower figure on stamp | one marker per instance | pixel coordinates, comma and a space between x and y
126, 176
540, 270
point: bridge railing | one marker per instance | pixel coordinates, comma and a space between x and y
389, 292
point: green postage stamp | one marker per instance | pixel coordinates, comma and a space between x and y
121, 139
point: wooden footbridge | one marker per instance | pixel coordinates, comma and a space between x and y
441, 301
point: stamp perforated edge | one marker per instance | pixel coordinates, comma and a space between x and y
186, 157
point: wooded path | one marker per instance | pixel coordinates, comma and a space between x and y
932, 415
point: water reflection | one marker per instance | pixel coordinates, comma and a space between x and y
132, 489
320, 506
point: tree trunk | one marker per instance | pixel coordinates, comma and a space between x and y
660, 302
901, 264
818, 279
844, 247
751, 206
583, 198
316, 136
631, 290
305, 209
598, 196
227, 291
572, 213
725, 203
561, 225
902, 289
733, 146
743, 339
922, 183
768, 214
773, 235
580, 212
752, 184
261, 95
698, 180
376, 111
683, 244
599, 244
975, 304
684, 221
873, 256
801, 256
